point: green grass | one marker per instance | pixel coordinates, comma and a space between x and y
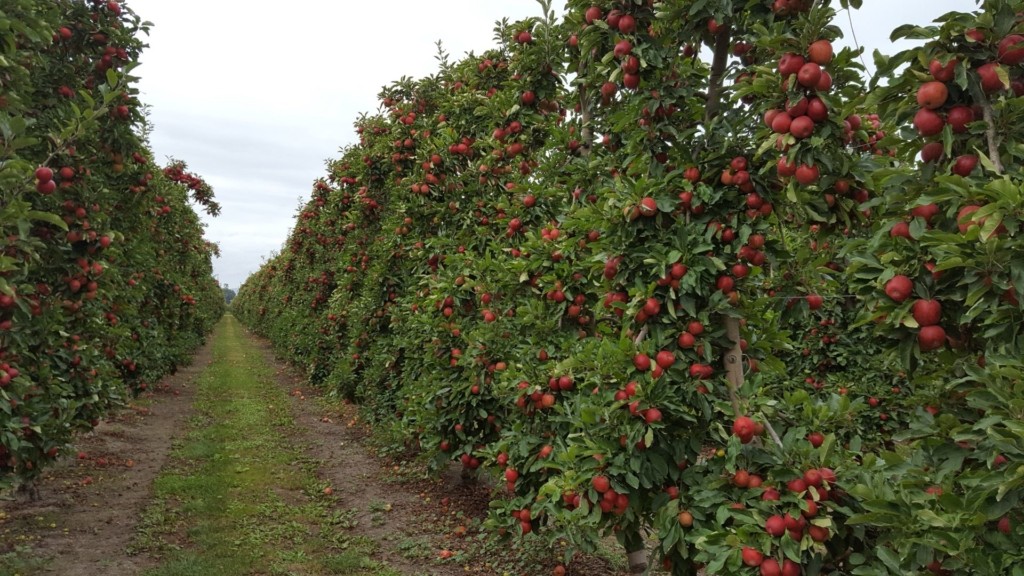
239, 498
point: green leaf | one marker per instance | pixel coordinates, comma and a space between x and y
48, 218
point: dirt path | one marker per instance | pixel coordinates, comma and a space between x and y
91, 500
328, 505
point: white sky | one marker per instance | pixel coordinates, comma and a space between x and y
255, 97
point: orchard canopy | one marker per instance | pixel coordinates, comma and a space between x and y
106, 281
683, 273
680, 273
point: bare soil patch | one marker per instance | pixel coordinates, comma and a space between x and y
92, 499
422, 526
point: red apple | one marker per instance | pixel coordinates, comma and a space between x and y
801, 127
927, 312
809, 75
932, 95
959, 117
807, 175
752, 557
899, 288
1011, 50
744, 428
990, 80
791, 64
942, 72
931, 338
965, 164
627, 24
931, 152
927, 122
816, 439
820, 52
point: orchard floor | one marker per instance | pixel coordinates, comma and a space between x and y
154, 491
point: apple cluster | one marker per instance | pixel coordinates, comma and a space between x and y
804, 80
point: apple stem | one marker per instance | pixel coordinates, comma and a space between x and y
990, 133
734, 363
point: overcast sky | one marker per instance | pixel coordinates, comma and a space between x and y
255, 97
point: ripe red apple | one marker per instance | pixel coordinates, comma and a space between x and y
1011, 50
665, 359
927, 312
744, 428
631, 64
790, 568
775, 525
900, 230
44, 174
725, 283
791, 63
990, 80
928, 122
816, 439
899, 288
809, 75
1004, 525
627, 24
770, 567
648, 207
807, 175
623, 48
652, 415
926, 211
820, 52
942, 72
965, 164
613, 18
642, 362
785, 168
931, 338
815, 301
824, 82
801, 127
752, 557
817, 109
931, 152
797, 107
781, 123
593, 13
608, 89
961, 217
818, 533
932, 95
959, 117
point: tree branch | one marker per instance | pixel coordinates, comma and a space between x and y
734, 363
718, 64
991, 136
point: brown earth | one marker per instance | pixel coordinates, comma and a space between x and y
92, 501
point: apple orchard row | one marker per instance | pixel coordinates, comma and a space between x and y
105, 279
683, 274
